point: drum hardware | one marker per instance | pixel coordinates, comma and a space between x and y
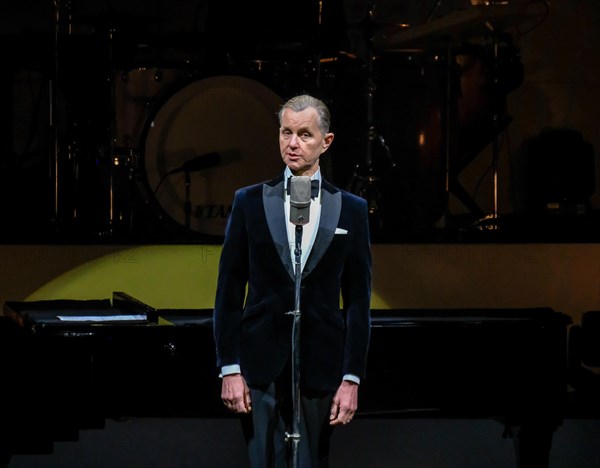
433, 11
115, 154
451, 33
116, 212
133, 92
61, 213
500, 86
365, 180
198, 163
218, 130
464, 24
286, 76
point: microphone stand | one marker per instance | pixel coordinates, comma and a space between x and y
294, 437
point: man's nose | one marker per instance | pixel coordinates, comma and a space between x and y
294, 140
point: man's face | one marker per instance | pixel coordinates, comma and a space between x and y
300, 141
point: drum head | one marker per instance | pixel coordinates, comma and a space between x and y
226, 129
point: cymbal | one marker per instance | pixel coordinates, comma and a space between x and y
460, 25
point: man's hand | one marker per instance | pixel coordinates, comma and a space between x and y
235, 394
345, 403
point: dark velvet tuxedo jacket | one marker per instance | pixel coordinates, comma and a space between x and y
255, 290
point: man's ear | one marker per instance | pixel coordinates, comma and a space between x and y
327, 141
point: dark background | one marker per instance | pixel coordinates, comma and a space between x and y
558, 97
487, 145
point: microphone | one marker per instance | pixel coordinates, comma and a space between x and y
199, 163
300, 192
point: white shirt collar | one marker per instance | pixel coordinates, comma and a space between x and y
288, 173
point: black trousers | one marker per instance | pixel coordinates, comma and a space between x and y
272, 416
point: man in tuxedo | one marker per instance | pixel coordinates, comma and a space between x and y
256, 292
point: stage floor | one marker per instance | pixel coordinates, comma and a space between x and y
366, 443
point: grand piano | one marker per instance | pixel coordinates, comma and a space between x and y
69, 365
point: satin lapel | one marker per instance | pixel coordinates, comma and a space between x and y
331, 207
273, 202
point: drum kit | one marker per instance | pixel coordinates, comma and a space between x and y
161, 148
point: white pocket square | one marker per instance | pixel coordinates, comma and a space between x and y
340, 231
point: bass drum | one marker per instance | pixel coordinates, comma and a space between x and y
208, 139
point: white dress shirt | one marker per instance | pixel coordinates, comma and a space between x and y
309, 230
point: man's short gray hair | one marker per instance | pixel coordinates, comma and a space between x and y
304, 101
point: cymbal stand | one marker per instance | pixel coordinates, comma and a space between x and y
112, 159
55, 166
364, 179
490, 221
449, 122
54, 173
495, 125
120, 161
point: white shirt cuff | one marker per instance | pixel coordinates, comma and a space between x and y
231, 369
352, 378
235, 369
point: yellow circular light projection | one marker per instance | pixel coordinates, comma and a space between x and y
161, 276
